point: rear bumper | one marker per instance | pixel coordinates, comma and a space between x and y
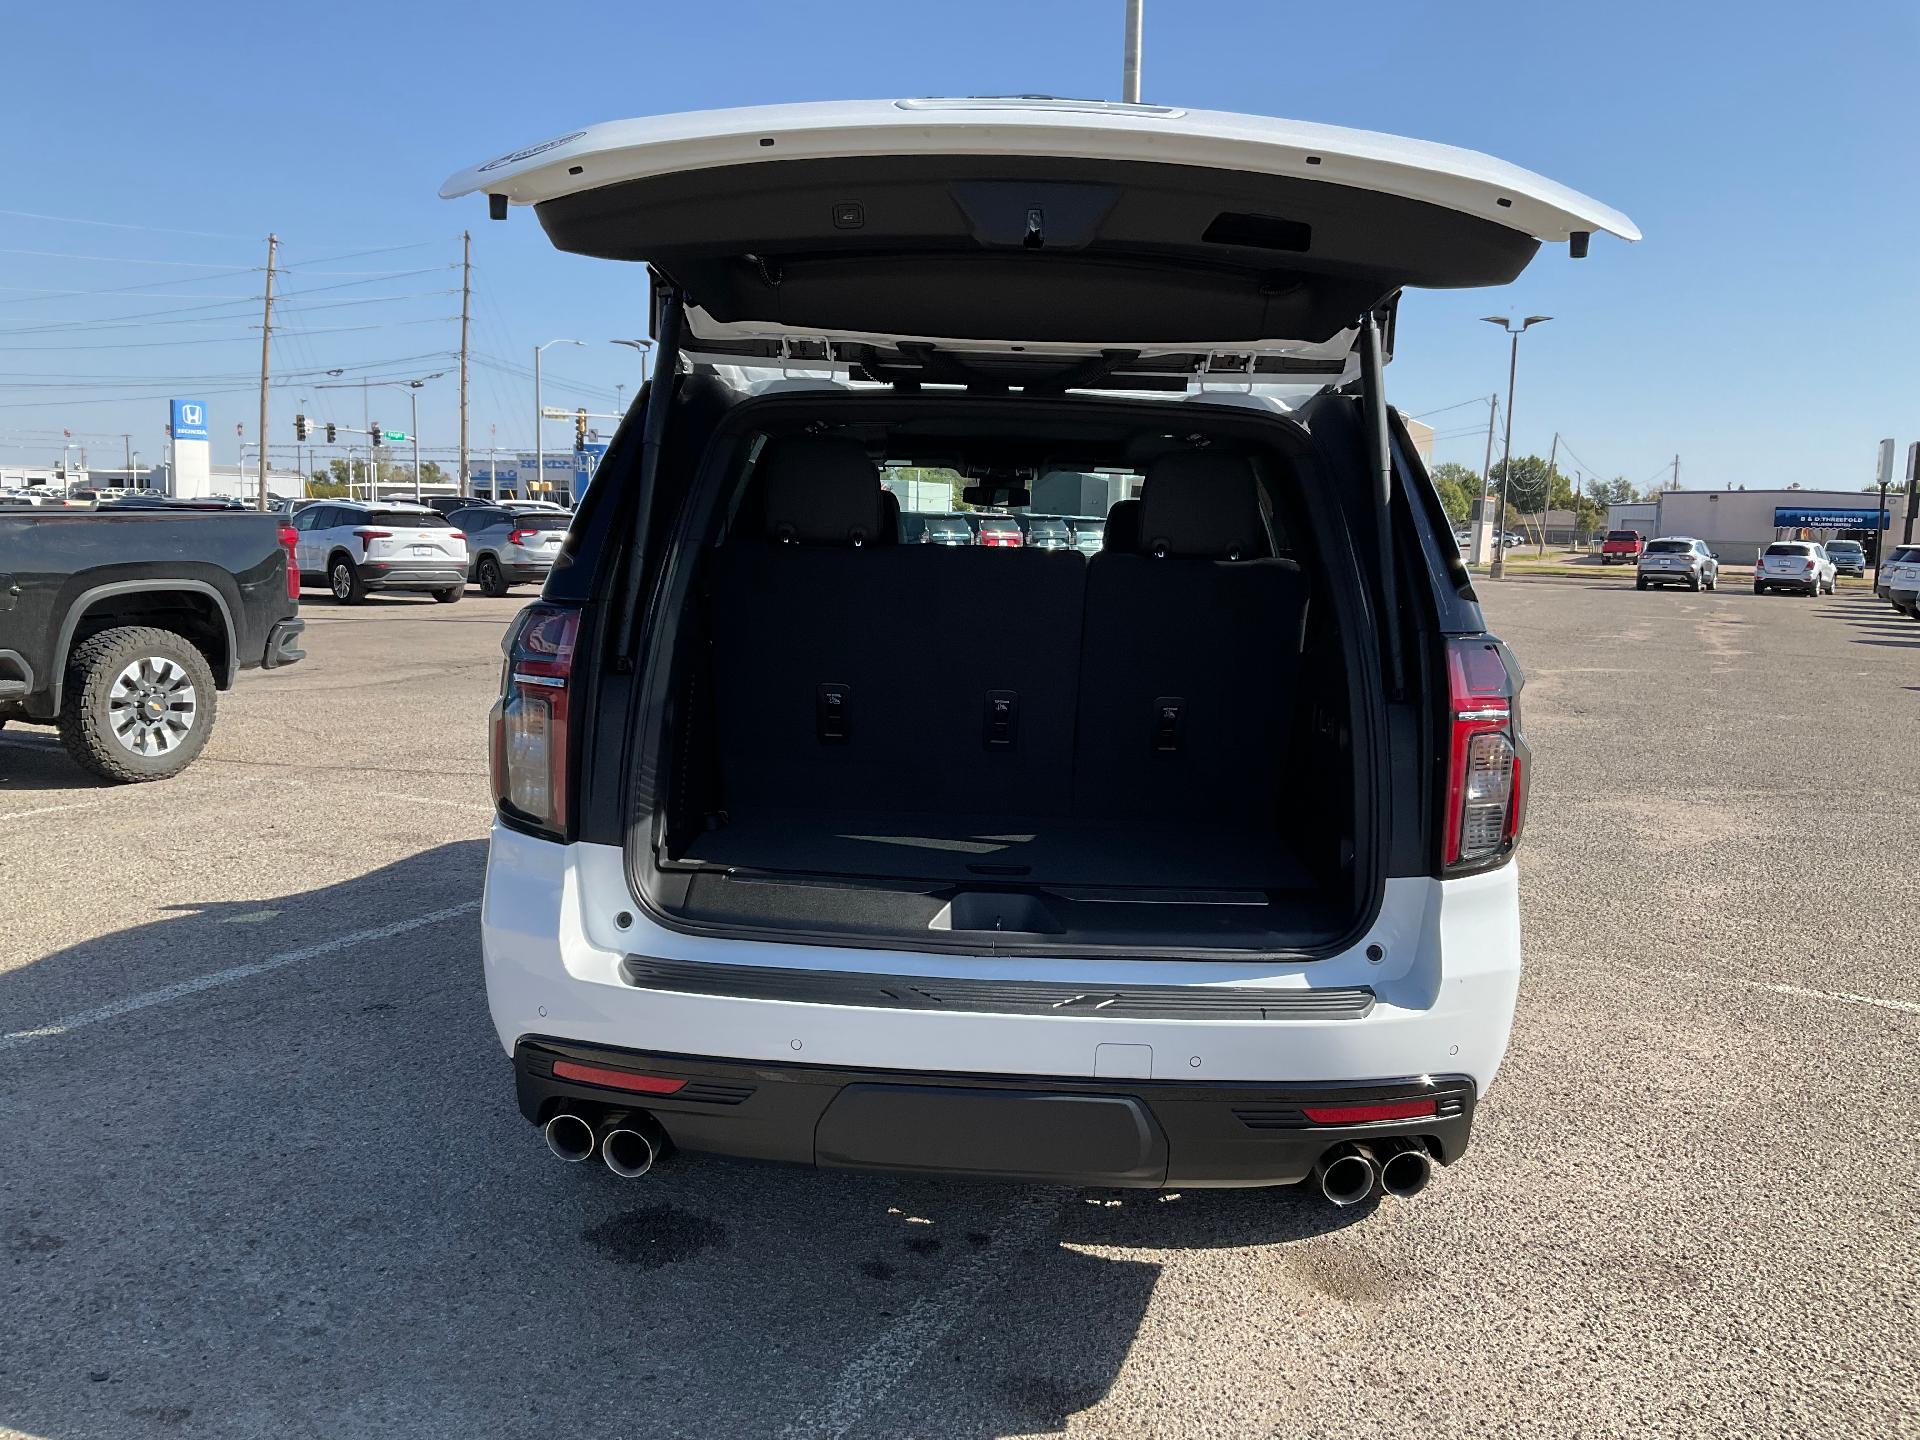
573, 965
1028, 1128
1670, 577
525, 572
397, 575
1805, 587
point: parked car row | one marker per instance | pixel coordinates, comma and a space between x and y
1005, 532
354, 547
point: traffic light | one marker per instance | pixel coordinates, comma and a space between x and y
580, 429
329, 432
375, 433
300, 427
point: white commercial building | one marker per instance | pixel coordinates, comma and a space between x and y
1738, 524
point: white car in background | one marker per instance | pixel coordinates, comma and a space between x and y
1799, 565
352, 547
1901, 577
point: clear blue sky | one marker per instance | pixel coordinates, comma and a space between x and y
1765, 329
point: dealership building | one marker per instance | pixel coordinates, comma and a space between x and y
1738, 524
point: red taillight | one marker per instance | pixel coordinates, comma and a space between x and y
520, 537
1355, 1114
290, 542
530, 719
1488, 761
367, 537
617, 1079
457, 534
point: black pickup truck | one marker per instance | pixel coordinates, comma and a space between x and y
119, 624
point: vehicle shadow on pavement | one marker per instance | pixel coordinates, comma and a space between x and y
269, 1178
34, 759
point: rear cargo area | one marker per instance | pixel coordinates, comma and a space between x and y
1152, 744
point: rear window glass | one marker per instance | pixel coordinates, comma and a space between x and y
1623, 535
1850, 546
542, 520
1001, 527
1669, 547
411, 519
1789, 549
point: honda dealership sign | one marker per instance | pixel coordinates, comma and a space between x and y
191, 473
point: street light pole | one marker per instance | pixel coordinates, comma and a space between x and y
645, 347
413, 396
539, 437
1130, 66
1498, 570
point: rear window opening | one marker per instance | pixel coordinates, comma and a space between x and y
1789, 550
1669, 547
1152, 742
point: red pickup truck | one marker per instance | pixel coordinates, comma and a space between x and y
1622, 547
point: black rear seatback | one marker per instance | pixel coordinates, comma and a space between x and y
855, 674
1190, 655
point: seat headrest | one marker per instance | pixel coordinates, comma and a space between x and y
889, 519
1205, 506
821, 490
1123, 527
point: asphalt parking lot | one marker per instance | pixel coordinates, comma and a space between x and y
261, 1171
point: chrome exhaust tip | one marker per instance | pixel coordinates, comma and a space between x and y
1347, 1174
569, 1137
1406, 1169
628, 1149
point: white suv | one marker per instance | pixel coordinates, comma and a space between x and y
1798, 565
352, 547
1189, 862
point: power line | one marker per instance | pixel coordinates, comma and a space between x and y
118, 259
1476, 400
124, 225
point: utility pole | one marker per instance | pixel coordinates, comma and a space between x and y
126, 441
1546, 504
466, 296
1486, 463
1130, 67
266, 354
1676, 474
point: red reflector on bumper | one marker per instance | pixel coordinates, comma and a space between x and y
1359, 1114
619, 1079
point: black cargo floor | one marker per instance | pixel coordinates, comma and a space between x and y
1170, 855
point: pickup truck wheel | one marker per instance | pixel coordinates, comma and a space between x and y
343, 578
449, 594
493, 580
138, 704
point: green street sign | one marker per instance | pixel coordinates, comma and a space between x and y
397, 437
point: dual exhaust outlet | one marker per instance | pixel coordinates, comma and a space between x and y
1351, 1173
628, 1144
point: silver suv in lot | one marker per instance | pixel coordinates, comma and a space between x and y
1678, 560
511, 547
1131, 869
1798, 565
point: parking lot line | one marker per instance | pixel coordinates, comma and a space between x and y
67, 1024
1843, 997
867, 1379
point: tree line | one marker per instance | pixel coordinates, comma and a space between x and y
1536, 488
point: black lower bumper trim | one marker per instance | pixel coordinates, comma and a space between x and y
1078, 1132
283, 644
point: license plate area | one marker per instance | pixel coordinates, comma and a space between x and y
956, 1130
